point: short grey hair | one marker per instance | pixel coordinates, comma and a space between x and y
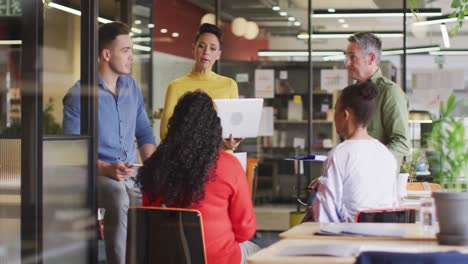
368, 43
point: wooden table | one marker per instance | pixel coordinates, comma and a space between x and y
308, 230
275, 253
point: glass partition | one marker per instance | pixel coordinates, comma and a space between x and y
10, 132
68, 223
268, 42
433, 74
10, 200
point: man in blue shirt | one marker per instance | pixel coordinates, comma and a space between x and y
121, 118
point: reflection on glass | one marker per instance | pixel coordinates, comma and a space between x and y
66, 220
61, 64
10, 91
10, 200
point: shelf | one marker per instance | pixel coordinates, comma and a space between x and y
315, 121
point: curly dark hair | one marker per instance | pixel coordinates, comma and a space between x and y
185, 160
360, 98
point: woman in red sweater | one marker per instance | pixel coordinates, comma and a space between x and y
189, 169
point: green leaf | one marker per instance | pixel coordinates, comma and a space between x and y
455, 3
454, 30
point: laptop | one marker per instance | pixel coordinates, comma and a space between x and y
240, 117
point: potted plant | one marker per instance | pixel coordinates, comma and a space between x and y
447, 140
407, 174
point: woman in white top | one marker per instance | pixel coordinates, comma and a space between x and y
360, 173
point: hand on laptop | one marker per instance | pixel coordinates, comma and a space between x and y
232, 143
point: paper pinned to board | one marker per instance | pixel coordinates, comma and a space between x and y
242, 157
266, 122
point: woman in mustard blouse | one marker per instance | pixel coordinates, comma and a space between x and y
206, 51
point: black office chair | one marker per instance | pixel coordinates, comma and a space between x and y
164, 235
387, 215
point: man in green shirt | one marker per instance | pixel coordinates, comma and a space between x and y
390, 121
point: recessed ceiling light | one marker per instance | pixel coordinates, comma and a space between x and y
291, 18
342, 13
163, 30
282, 13
297, 23
175, 35
276, 8
78, 13
341, 20
137, 22
345, 25
334, 35
150, 25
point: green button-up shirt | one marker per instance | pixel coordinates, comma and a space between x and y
390, 121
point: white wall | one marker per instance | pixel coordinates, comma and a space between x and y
167, 67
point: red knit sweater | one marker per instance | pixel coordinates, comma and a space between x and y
227, 211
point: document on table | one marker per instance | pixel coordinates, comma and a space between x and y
362, 229
340, 250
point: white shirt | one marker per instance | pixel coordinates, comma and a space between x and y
358, 175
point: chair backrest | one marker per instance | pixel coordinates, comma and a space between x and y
387, 215
164, 235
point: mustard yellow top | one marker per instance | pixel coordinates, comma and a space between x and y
216, 86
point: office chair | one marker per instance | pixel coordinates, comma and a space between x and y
387, 215
164, 235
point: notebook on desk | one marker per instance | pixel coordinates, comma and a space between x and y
240, 117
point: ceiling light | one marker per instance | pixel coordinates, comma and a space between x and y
331, 10
239, 26
297, 53
175, 35
252, 30
337, 35
163, 30
297, 23
340, 57
437, 20
150, 25
450, 52
345, 25
282, 13
64, 8
141, 47
137, 22
208, 18
104, 20
445, 36
276, 8
10, 42
78, 13
341, 13
141, 39
291, 18
412, 50
341, 20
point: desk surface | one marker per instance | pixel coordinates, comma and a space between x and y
308, 230
273, 254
